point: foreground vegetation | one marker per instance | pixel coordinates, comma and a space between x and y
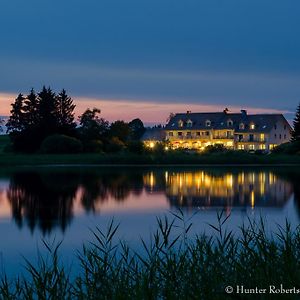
172, 265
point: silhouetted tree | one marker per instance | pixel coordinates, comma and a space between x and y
65, 110
137, 129
92, 126
31, 109
36, 116
49, 116
120, 129
296, 129
16, 121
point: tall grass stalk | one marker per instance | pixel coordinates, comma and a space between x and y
173, 265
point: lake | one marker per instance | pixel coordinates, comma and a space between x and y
68, 203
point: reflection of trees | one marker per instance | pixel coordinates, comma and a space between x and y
116, 185
43, 200
46, 199
292, 175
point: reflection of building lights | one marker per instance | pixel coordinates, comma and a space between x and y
151, 145
252, 197
262, 189
166, 148
241, 178
271, 178
151, 180
229, 180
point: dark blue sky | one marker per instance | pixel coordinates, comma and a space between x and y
222, 52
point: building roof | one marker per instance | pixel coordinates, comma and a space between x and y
225, 120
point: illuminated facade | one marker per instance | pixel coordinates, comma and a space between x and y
239, 131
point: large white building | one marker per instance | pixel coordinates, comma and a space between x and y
240, 131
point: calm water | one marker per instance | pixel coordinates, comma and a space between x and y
66, 203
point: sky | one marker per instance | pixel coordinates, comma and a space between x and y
142, 58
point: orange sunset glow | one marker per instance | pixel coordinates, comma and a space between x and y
148, 111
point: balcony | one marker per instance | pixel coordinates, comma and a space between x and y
250, 140
223, 137
190, 137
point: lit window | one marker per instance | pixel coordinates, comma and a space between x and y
262, 137
242, 126
263, 147
241, 147
251, 147
180, 123
252, 126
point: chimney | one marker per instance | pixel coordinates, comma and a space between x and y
244, 112
226, 110
188, 111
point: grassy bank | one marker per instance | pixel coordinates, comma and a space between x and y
150, 158
147, 159
170, 267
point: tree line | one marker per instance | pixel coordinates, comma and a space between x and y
45, 122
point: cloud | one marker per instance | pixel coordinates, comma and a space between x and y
265, 90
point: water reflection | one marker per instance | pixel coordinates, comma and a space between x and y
46, 200
227, 190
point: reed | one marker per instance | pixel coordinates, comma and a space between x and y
174, 264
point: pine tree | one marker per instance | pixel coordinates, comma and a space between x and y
296, 123
65, 112
32, 109
16, 121
48, 113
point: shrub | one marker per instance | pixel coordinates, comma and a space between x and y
136, 147
115, 145
215, 148
93, 146
61, 144
288, 148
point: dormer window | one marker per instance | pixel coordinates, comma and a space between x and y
180, 123
189, 123
208, 123
252, 126
242, 126
229, 123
